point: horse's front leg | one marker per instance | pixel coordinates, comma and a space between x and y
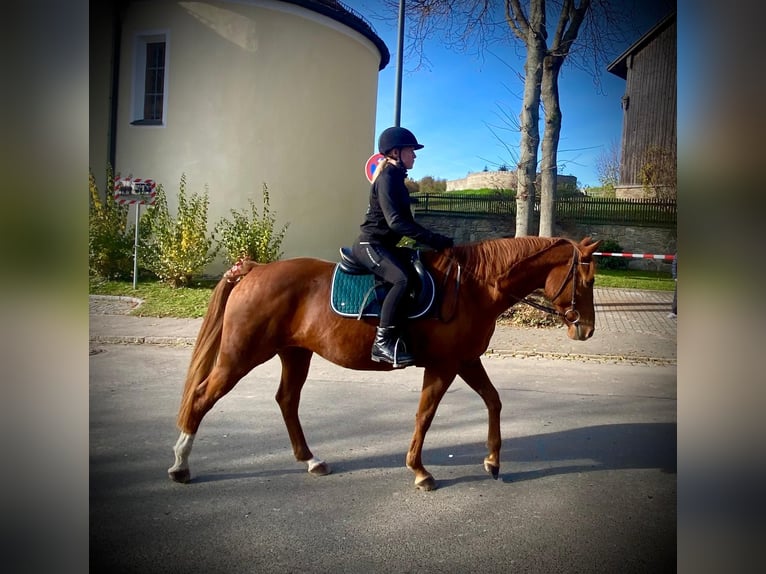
474, 374
435, 384
295, 369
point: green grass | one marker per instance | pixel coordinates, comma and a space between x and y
161, 300
634, 279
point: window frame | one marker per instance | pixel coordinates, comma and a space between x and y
140, 43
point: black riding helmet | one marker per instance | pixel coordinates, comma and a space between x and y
397, 138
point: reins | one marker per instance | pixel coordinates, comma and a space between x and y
457, 289
571, 310
571, 315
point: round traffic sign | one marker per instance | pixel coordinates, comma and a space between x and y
372, 164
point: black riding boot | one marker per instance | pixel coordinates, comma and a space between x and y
389, 348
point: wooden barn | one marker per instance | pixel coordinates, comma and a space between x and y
648, 147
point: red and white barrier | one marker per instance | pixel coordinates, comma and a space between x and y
637, 255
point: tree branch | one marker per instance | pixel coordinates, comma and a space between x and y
566, 11
568, 27
518, 22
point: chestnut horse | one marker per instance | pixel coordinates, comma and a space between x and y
283, 308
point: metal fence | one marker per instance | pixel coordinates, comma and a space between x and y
577, 209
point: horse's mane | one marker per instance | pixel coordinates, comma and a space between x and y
492, 258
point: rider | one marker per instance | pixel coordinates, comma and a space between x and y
387, 220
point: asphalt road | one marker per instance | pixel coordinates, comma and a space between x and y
587, 482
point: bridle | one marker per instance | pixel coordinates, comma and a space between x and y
571, 315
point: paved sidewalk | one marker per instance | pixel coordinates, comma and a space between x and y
631, 325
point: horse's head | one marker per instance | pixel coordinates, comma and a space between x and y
570, 288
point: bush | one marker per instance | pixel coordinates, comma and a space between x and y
412, 185
429, 184
252, 236
110, 244
611, 246
523, 315
176, 249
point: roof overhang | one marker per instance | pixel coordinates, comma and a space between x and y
619, 66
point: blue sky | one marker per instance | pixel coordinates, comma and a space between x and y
451, 104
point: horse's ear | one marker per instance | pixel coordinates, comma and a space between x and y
589, 247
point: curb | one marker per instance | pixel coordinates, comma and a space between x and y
135, 301
635, 360
490, 353
126, 340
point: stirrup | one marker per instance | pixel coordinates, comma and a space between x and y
395, 361
410, 360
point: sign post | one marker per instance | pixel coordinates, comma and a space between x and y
399, 59
138, 192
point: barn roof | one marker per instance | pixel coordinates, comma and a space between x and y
619, 67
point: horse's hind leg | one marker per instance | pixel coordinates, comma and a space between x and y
295, 369
219, 382
435, 384
180, 472
474, 374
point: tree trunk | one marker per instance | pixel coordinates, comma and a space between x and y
530, 117
548, 165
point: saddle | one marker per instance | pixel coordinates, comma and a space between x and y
357, 292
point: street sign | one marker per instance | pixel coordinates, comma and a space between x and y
135, 191
372, 164
138, 192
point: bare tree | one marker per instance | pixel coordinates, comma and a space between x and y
467, 24
608, 166
532, 32
658, 173
570, 20
598, 25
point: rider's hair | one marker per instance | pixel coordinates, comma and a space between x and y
385, 164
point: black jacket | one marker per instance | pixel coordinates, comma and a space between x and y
389, 217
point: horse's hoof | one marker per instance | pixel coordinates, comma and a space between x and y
493, 469
321, 469
183, 476
427, 484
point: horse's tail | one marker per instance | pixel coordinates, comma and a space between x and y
209, 340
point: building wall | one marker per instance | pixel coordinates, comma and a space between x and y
258, 91
501, 180
102, 38
650, 108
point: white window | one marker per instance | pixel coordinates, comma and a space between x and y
150, 80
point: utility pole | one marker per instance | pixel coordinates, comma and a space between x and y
399, 58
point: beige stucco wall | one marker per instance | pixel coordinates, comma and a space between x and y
258, 92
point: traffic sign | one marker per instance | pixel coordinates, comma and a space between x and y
135, 190
372, 164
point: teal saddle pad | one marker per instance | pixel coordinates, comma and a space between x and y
361, 295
